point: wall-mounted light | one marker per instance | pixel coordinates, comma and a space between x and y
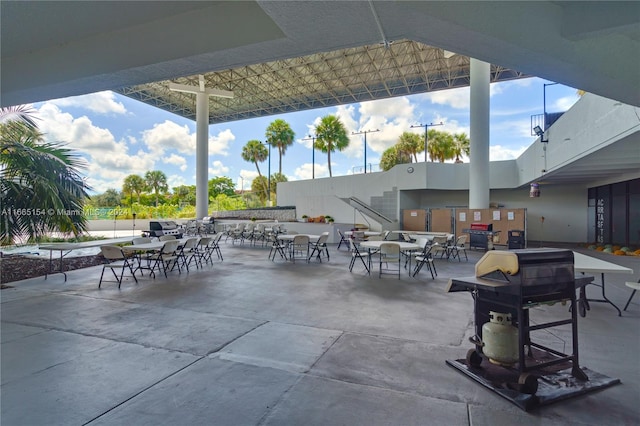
539, 132
534, 191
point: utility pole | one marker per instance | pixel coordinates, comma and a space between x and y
364, 132
544, 102
426, 135
313, 154
269, 176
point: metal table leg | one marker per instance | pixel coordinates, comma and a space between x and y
603, 300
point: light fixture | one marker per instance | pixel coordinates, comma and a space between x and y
426, 135
534, 191
539, 132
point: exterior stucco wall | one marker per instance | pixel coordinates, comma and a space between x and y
584, 131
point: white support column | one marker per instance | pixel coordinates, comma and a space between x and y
202, 138
479, 186
202, 154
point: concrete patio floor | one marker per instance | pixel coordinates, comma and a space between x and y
248, 341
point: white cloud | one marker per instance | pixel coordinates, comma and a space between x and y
450, 126
176, 160
564, 103
346, 114
498, 153
99, 102
391, 117
220, 144
218, 169
247, 178
306, 171
98, 186
306, 141
455, 98
109, 161
169, 135
393, 107
175, 180
248, 175
513, 130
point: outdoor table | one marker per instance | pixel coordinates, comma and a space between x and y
423, 234
404, 247
66, 248
366, 233
153, 246
588, 264
290, 237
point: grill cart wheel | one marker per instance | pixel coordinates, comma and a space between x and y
528, 383
474, 359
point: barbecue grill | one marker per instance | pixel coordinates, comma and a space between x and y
209, 224
481, 235
166, 227
512, 283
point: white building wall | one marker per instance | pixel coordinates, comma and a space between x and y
587, 128
590, 125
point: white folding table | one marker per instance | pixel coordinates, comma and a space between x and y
66, 248
592, 265
404, 247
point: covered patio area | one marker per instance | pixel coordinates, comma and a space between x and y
250, 341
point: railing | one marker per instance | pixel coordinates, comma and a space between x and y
544, 120
360, 169
366, 209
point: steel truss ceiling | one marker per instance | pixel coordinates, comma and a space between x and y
319, 80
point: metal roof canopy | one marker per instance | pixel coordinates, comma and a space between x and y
319, 80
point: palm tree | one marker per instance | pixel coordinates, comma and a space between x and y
20, 113
275, 179
440, 146
410, 143
133, 184
280, 135
255, 152
393, 156
460, 146
41, 189
331, 135
259, 186
156, 181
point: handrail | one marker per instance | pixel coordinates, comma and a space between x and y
364, 208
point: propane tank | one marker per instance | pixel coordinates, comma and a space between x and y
500, 339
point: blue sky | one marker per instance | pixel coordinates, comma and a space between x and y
119, 136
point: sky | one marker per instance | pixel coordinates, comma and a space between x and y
119, 136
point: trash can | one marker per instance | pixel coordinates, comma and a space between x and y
516, 240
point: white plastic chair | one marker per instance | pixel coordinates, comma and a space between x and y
277, 246
166, 257
458, 247
343, 239
116, 259
357, 254
319, 247
188, 253
299, 248
389, 253
635, 286
440, 246
425, 258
